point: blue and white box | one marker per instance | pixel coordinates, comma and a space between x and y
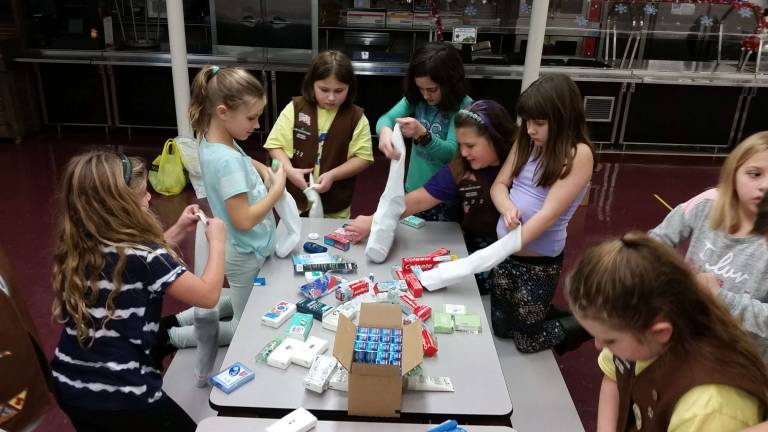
232, 378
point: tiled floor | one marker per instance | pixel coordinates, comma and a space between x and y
622, 198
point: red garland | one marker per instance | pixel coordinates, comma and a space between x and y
438, 20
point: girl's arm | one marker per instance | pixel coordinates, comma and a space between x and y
204, 291
294, 175
245, 216
561, 195
680, 223
608, 407
350, 168
415, 201
386, 124
500, 191
185, 224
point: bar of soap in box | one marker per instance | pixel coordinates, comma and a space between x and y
313, 307
278, 314
300, 326
339, 380
349, 309
232, 378
320, 373
299, 420
306, 352
443, 323
468, 323
282, 355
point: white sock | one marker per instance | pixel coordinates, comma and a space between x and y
207, 335
450, 272
313, 196
289, 231
391, 206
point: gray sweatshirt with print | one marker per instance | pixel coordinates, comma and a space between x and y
740, 263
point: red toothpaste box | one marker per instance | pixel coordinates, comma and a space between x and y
336, 241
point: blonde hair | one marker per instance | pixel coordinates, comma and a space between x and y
214, 86
724, 215
97, 209
628, 283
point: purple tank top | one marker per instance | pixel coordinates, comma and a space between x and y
529, 199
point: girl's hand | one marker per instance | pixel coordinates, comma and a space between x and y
277, 179
216, 231
324, 182
410, 127
297, 176
709, 282
188, 219
359, 228
511, 215
385, 144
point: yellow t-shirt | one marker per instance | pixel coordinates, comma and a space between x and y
281, 137
704, 408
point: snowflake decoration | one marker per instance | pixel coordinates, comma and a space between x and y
621, 8
650, 9
581, 21
470, 10
525, 8
746, 12
707, 21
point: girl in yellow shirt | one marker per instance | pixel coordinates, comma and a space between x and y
674, 358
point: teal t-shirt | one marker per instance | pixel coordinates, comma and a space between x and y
228, 172
426, 160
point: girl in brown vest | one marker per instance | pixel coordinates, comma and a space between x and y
485, 133
324, 134
674, 358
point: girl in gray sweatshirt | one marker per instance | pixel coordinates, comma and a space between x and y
719, 225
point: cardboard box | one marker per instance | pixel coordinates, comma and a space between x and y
423, 19
399, 19
366, 17
377, 390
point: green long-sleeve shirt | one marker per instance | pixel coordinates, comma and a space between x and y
426, 160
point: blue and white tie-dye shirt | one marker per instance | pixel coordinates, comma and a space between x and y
116, 371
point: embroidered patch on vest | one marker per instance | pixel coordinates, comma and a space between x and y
304, 118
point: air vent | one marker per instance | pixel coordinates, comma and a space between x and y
599, 108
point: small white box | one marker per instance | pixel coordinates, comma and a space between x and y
307, 351
281, 356
299, 420
278, 314
320, 373
339, 380
349, 309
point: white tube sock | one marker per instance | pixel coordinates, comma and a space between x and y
313, 196
391, 206
207, 335
450, 272
289, 231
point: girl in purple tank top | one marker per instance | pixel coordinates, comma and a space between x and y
540, 185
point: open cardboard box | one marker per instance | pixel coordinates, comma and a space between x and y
377, 390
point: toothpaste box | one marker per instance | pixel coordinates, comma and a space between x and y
300, 326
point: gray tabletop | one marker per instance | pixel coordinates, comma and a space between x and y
469, 360
240, 424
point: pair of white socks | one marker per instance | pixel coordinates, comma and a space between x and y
391, 205
289, 232
448, 273
313, 196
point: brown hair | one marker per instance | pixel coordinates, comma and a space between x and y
97, 209
330, 64
492, 122
556, 99
441, 62
724, 215
628, 283
214, 86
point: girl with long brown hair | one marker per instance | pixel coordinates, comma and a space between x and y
112, 266
673, 357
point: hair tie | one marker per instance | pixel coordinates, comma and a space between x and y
214, 70
474, 116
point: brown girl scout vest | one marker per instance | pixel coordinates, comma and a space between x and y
479, 213
647, 400
335, 148
25, 386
